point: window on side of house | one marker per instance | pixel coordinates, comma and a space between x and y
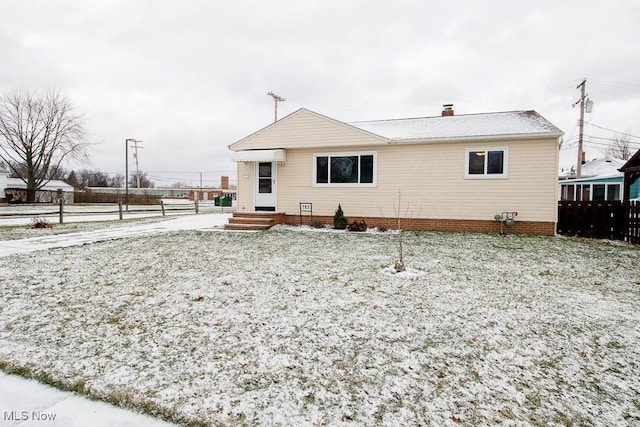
344, 169
613, 192
486, 163
567, 192
598, 192
583, 192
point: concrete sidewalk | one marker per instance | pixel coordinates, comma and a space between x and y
26, 402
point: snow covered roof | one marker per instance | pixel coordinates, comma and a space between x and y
605, 167
485, 125
52, 185
3, 169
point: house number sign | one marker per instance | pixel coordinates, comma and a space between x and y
306, 207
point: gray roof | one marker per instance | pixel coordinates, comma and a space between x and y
513, 123
54, 184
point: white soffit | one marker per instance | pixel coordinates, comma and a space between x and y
259, 156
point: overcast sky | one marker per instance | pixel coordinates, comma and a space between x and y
190, 77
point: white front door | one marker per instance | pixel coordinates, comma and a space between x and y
265, 194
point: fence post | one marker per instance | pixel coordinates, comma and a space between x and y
61, 210
162, 206
196, 203
120, 209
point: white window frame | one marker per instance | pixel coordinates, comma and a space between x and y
485, 175
590, 185
345, 154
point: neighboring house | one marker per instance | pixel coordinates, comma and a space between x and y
4, 175
631, 173
15, 191
600, 179
450, 172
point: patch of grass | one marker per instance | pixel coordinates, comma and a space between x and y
228, 328
16, 232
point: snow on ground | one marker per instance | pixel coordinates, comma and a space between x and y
23, 214
305, 328
38, 243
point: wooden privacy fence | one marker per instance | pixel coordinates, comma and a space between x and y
614, 220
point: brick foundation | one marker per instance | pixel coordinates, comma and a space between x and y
426, 224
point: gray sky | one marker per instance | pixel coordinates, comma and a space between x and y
190, 77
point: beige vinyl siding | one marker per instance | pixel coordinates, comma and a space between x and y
244, 201
308, 129
430, 178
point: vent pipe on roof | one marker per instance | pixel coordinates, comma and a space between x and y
447, 110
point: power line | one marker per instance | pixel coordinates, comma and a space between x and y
614, 131
608, 139
617, 85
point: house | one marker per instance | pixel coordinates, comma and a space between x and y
631, 182
599, 180
15, 191
449, 172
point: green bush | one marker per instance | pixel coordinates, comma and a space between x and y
339, 220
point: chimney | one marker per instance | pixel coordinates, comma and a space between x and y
224, 182
447, 110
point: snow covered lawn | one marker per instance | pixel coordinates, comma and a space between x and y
305, 328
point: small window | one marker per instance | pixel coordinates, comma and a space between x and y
344, 169
567, 192
613, 192
486, 163
598, 192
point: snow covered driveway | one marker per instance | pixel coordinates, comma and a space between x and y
302, 328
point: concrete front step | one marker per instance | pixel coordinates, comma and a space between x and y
251, 221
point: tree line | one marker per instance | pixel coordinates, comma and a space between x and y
84, 178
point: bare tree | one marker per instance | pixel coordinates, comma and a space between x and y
619, 148
39, 131
145, 181
117, 181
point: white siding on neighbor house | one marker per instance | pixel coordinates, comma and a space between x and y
307, 129
431, 180
3, 183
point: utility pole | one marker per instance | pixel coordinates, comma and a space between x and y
126, 169
135, 146
276, 98
582, 87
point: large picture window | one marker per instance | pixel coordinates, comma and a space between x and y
486, 163
344, 169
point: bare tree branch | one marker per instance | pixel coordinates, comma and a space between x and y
619, 148
39, 131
